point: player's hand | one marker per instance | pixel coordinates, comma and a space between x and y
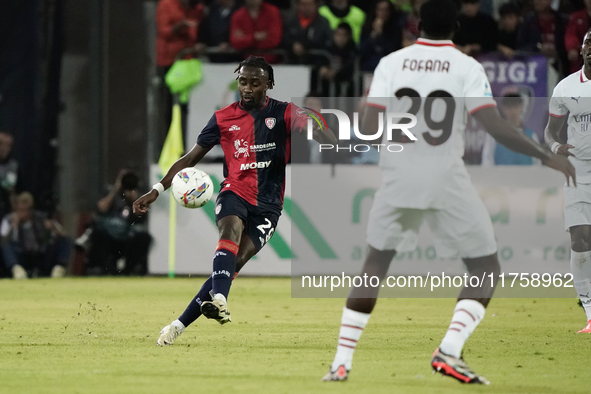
141, 205
563, 150
561, 163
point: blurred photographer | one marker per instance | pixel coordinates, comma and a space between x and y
119, 241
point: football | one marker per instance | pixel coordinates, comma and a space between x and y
192, 188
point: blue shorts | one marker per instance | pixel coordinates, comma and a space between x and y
259, 224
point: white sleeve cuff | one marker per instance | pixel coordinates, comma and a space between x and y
159, 188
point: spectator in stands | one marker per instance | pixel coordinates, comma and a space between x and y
496, 154
508, 28
404, 6
340, 70
118, 232
410, 33
283, 5
340, 11
478, 32
177, 22
214, 31
577, 26
256, 28
305, 29
8, 173
381, 34
543, 31
33, 244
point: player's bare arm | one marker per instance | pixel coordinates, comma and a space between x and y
188, 160
555, 124
370, 122
506, 134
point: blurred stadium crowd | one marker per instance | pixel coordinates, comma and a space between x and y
341, 40
333, 35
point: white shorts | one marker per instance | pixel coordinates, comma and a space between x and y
577, 205
462, 228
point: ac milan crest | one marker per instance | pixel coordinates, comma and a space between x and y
270, 122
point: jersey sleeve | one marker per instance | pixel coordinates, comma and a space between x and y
557, 108
378, 91
296, 119
210, 135
477, 91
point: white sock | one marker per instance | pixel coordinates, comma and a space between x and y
467, 315
219, 296
580, 265
352, 325
177, 323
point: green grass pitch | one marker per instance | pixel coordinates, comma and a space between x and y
98, 335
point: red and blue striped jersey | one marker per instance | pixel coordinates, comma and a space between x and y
257, 147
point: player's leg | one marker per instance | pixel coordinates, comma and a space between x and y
231, 213
356, 313
259, 228
577, 220
245, 252
580, 264
224, 261
193, 311
388, 229
464, 228
468, 313
224, 267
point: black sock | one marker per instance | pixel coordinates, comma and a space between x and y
193, 310
224, 267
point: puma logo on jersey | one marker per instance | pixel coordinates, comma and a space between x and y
576, 99
234, 128
253, 165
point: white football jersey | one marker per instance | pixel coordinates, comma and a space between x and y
439, 85
573, 95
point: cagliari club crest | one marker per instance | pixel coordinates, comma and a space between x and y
270, 122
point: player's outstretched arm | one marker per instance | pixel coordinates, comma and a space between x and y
189, 160
370, 123
555, 124
506, 134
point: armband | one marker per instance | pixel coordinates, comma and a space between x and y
159, 188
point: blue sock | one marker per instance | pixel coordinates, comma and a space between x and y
224, 267
193, 310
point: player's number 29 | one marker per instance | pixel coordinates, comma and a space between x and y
445, 124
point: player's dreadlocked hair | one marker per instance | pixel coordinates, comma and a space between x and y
258, 62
